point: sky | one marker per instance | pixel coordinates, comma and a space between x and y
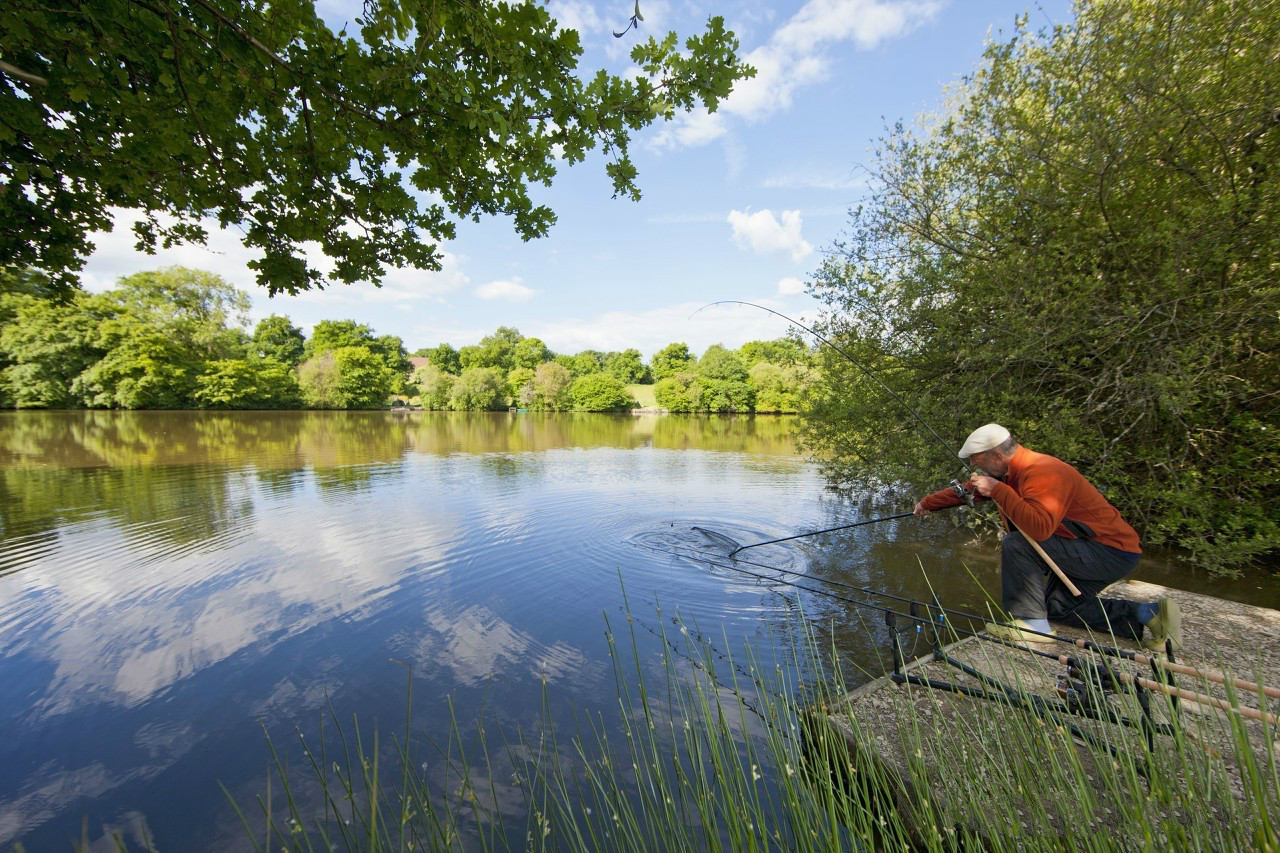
741, 204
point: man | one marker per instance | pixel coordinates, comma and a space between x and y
1048, 500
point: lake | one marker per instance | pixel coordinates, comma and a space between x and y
175, 587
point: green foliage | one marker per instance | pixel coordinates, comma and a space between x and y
600, 392
779, 389
444, 357
551, 382
721, 364
679, 392
255, 114
393, 353
200, 310
670, 360
143, 369
278, 339
434, 385
627, 367
479, 389
497, 350
348, 377
1082, 247
585, 363
252, 383
45, 346
331, 334
781, 351
468, 357
518, 380
531, 352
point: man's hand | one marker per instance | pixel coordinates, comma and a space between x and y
920, 510
982, 485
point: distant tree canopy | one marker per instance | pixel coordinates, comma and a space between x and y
277, 338
1082, 247
368, 144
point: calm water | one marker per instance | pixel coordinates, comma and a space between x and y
173, 583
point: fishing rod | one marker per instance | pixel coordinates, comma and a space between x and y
810, 533
1088, 645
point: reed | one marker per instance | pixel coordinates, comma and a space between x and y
724, 753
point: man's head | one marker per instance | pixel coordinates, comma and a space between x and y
990, 448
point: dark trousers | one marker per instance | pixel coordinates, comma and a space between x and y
1031, 591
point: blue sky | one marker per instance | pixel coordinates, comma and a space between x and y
740, 204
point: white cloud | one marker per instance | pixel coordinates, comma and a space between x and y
115, 256
506, 290
576, 15
763, 234
689, 130
796, 55
790, 286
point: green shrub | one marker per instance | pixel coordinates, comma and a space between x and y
600, 392
254, 383
349, 377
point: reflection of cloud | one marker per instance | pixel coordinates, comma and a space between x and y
36, 805
476, 644
161, 617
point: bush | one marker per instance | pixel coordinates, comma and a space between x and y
600, 392
550, 387
678, 393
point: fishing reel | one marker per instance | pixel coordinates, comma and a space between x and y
960, 489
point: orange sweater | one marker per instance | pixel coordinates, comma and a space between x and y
1039, 491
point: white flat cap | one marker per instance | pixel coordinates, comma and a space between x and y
984, 438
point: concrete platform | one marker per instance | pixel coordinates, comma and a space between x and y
882, 721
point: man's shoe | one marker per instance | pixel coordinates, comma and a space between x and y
1165, 625
1016, 631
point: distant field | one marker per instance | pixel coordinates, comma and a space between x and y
643, 394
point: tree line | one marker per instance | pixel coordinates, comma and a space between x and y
179, 338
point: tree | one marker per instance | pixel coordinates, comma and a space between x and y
393, 353
479, 389
679, 392
600, 392
331, 334
142, 369
201, 311
435, 386
248, 383
781, 351
1083, 248
349, 377
518, 379
627, 367
468, 357
721, 364
444, 357
497, 350
778, 389
551, 387
585, 363
670, 360
278, 339
530, 353
260, 116
45, 345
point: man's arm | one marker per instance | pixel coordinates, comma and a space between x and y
941, 499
